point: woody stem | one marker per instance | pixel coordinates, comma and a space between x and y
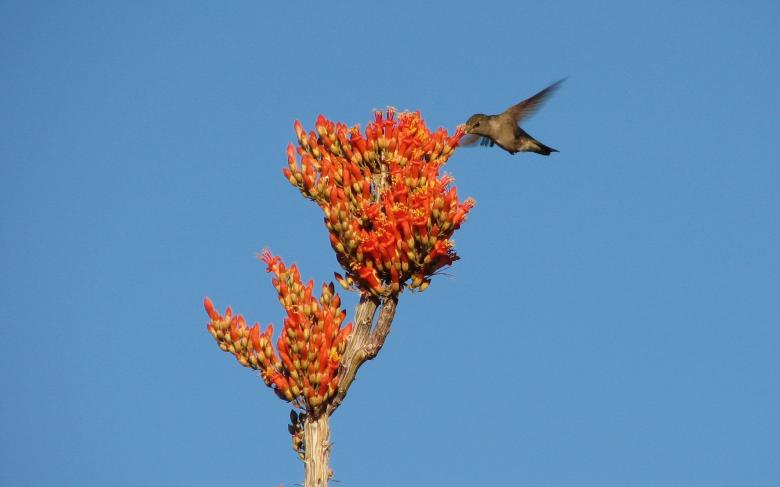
316, 434
365, 342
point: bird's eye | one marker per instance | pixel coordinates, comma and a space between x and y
476, 124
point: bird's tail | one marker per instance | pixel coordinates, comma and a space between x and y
542, 149
529, 144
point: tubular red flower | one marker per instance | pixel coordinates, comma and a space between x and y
311, 342
382, 196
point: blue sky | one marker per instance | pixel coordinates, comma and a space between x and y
614, 319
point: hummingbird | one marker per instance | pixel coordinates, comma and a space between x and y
504, 129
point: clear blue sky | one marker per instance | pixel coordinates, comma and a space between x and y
615, 317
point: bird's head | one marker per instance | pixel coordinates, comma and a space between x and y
477, 124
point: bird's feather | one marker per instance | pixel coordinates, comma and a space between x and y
468, 140
527, 107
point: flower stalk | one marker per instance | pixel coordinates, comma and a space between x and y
390, 217
316, 460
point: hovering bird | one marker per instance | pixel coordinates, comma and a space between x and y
503, 129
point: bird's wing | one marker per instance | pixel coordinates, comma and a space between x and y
528, 106
470, 140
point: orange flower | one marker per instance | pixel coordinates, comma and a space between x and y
389, 213
310, 345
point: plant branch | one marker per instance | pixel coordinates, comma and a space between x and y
316, 435
382, 329
366, 341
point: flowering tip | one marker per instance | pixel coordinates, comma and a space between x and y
342, 282
290, 152
288, 174
274, 262
213, 314
385, 202
460, 131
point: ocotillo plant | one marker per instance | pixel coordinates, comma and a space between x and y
391, 217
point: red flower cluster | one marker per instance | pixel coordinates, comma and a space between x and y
310, 346
389, 213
